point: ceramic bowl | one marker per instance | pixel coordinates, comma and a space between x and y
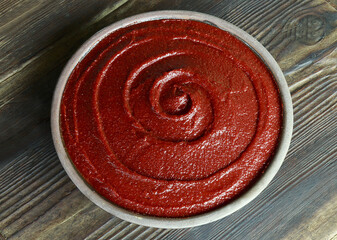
207, 217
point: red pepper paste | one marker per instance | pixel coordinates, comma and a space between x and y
170, 118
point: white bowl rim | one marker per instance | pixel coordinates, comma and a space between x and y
208, 217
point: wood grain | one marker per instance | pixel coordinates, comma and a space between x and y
38, 200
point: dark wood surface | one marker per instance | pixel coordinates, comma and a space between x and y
38, 200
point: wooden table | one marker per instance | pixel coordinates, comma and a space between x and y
38, 200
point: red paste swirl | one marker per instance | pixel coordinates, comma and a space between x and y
170, 117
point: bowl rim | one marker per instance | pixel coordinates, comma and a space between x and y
204, 218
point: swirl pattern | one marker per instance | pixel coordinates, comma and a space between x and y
170, 117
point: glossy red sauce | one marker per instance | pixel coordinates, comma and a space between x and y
171, 117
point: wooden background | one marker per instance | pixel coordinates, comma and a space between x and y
38, 200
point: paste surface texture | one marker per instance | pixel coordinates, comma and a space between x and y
171, 118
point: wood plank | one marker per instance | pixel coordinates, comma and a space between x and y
114, 226
52, 18
37, 199
51, 200
321, 225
